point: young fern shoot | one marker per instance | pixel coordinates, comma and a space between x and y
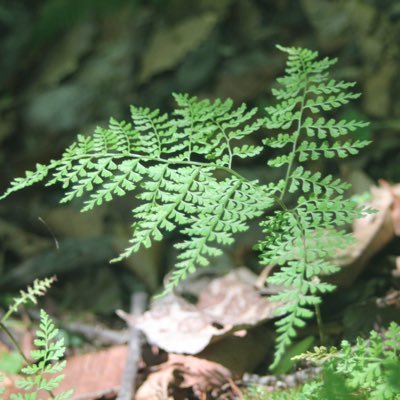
181, 167
43, 375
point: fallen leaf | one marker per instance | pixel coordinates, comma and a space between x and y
395, 206
155, 387
226, 305
91, 376
371, 234
187, 372
94, 375
199, 374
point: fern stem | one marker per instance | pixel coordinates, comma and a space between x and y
157, 135
227, 144
228, 170
297, 135
14, 342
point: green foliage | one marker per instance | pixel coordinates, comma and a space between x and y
305, 238
262, 393
181, 168
367, 370
47, 355
155, 157
38, 289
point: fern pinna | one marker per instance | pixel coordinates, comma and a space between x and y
181, 168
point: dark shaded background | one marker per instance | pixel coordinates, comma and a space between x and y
68, 65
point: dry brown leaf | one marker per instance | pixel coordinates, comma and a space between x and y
371, 233
395, 206
186, 372
155, 387
199, 374
94, 375
170, 45
226, 305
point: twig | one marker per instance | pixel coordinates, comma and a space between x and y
98, 333
138, 306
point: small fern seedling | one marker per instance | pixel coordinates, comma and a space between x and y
48, 353
181, 168
368, 370
38, 289
44, 375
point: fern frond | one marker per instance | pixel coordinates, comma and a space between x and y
320, 354
314, 183
178, 166
47, 362
363, 368
38, 289
302, 240
211, 129
31, 177
225, 209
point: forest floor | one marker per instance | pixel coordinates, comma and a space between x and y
68, 67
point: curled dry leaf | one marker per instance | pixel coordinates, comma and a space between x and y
371, 233
395, 205
227, 305
200, 375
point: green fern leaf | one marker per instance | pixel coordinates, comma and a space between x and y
303, 239
47, 362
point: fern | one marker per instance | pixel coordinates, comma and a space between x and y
157, 157
49, 350
367, 370
304, 238
38, 289
181, 167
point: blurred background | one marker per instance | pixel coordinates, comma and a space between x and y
66, 66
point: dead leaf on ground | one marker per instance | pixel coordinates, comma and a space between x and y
94, 375
187, 372
371, 233
227, 305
